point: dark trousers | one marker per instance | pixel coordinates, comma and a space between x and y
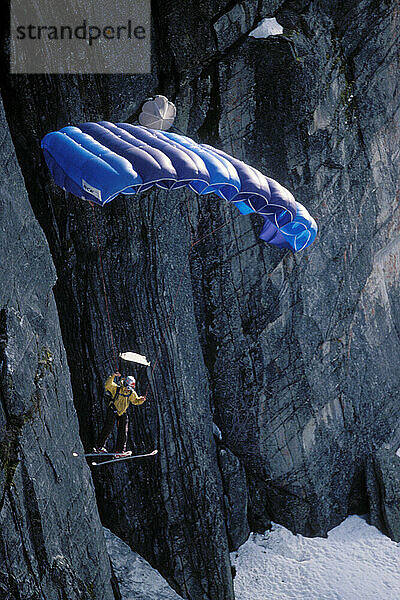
122, 431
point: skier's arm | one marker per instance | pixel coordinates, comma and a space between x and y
110, 385
137, 400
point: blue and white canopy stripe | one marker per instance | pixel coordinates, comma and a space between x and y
99, 161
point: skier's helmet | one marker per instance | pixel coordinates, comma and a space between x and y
130, 381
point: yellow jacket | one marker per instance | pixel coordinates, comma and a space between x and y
122, 396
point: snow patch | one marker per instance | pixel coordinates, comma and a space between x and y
137, 579
267, 27
355, 561
216, 431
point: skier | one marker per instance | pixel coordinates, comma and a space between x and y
121, 393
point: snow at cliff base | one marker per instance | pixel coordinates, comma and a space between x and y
137, 579
355, 562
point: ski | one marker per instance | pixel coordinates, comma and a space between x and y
115, 460
89, 454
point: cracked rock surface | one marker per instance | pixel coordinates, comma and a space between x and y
294, 358
51, 540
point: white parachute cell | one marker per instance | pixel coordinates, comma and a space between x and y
157, 113
133, 357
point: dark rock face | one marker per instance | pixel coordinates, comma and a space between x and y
315, 335
293, 357
235, 498
51, 539
170, 508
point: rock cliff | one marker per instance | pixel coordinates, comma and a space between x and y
51, 540
293, 358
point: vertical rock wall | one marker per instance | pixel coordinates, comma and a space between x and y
315, 336
51, 539
169, 508
293, 357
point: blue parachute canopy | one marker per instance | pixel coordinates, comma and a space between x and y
99, 161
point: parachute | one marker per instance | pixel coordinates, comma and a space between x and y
158, 113
99, 161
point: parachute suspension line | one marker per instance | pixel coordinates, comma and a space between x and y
210, 233
193, 243
104, 288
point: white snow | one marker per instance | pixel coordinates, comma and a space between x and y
398, 452
216, 431
355, 562
136, 578
267, 27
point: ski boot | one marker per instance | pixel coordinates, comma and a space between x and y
123, 454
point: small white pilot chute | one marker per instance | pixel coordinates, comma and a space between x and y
136, 358
157, 113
